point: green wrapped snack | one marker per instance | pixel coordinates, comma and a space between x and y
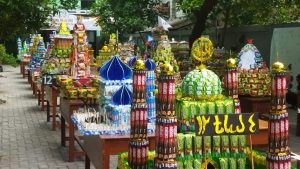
225, 144
188, 162
186, 116
229, 106
220, 107
241, 163
188, 144
180, 144
234, 143
232, 163
211, 108
216, 144
202, 107
207, 145
197, 163
223, 163
193, 112
197, 144
180, 164
242, 143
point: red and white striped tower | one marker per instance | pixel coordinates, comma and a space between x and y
166, 122
279, 154
138, 144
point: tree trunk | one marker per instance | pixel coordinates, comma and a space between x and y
227, 14
201, 17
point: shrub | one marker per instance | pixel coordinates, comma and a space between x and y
5, 58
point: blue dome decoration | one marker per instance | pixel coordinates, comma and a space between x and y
131, 61
115, 69
149, 64
123, 96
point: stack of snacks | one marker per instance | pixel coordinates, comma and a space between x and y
123, 160
163, 54
126, 51
279, 153
254, 78
166, 122
39, 53
58, 53
80, 59
138, 144
104, 55
150, 87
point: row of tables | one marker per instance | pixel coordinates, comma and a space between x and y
98, 148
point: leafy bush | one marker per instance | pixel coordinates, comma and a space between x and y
5, 58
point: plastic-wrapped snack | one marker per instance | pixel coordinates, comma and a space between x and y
189, 162
186, 117
229, 106
180, 144
216, 144
234, 143
232, 163
241, 163
242, 143
211, 108
188, 144
207, 145
197, 163
193, 112
223, 163
180, 164
225, 144
220, 107
197, 144
202, 107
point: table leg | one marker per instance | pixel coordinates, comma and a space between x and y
43, 97
71, 142
87, 162
63, 131
53, 112
39, 97
105, 161
48, 111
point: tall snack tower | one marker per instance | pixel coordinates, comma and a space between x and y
231, 83
139, 143
80, 54
166, 121
279, 153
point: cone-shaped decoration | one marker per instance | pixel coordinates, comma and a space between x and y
150, 65
63, 29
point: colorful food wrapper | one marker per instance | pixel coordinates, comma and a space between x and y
220, 107
242, 143
188, 144
202, 107
225, 144
241, 163
211, 109
217, 144
229, 106
197, 163
207, 144
232, 163
223, 163
234, 143
188, 162
180, 143
197, 144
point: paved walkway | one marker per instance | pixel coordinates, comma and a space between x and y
26, 139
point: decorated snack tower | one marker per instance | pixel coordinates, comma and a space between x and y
38, 53
254, 77
164, 54
80, 83
150, 88
279, 153
231, 82
116, 95
166, 122
139, 143
201, 93
59, 50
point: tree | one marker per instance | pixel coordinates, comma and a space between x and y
238, 12
125, 16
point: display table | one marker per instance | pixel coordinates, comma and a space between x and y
67, 106
41, 95
23, 65
262, 138
51, 97
260, 105
98, 148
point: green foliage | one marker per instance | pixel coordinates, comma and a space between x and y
68, 4
189, 5
6, 58
125, 16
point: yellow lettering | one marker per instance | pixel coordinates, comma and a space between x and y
204, 123
217, 124
230, 128
200, 125
252, 126
242, 129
